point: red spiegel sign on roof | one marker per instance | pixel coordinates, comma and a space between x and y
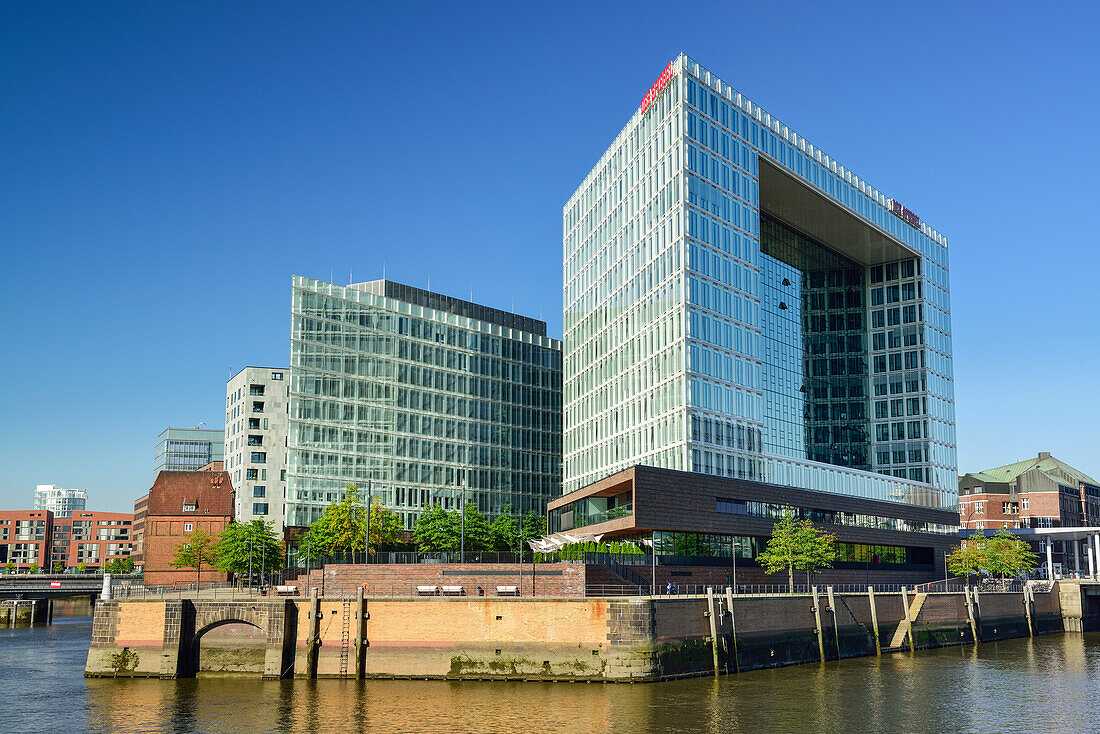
657, 88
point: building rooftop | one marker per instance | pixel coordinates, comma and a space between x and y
457, 306
1044, 462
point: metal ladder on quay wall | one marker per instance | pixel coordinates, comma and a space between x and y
345, 638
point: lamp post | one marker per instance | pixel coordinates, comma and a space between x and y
366, 556
462, 533
263, 559
251, 536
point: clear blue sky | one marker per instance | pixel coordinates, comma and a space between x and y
166, 167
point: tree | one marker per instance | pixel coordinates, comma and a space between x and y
33, 568
504, 532
436, 530
59, 568
252, 545
201, 549
340, 529
534, 525
797, 544
478, 537
82, 567
968, 558
126, 565
10, 567
1000, 555
385, 527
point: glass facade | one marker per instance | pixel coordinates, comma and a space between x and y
422, 395
706, 331
188, 449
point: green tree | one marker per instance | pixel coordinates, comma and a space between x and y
534, 525
797, 545
968, 558
252, 545
10, 567
436, 530
33, 568
504, 532
58, 568
478, 537
82, 567
126, 565
201, 549
385, 527
1007, 555
341, 528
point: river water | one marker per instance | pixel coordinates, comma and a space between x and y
1050, 684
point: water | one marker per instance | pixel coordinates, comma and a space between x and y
1047, 685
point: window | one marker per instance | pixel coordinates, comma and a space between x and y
1025, 503
276, 375
190, 507
282, 475
259, 491
257, 406
187, 527
251, 474
256, 390
259, 508
259, 457
253, 424
255, 440
979, 507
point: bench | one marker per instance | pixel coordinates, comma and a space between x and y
286, 591
427, 590
452, 591
507, 591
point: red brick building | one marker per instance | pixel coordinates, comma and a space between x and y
92, 538
36, 537
25, 538
1035, 493
178, 504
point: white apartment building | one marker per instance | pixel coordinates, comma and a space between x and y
61, 502
255, 442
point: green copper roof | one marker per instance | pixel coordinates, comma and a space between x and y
1008, 472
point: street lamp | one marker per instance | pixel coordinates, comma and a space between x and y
251, 537
366, 556
462, 535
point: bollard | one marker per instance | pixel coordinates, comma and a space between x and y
360, 633
106, 593
313, 641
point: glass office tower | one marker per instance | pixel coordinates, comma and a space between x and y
188, 449
424, 396
737, 303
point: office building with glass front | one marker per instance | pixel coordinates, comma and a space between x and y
738, 304
188, 449
422, 397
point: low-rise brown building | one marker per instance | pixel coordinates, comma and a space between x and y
705, 520
178, 504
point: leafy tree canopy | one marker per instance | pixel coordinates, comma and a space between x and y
797, 545
1002, 555
200, 549
253, 545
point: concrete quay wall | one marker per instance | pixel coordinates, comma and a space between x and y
600, 639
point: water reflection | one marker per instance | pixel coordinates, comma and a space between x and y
1018, 685
1048, 684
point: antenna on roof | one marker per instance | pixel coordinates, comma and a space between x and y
351, 276
200, 424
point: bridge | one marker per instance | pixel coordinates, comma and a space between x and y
49, 586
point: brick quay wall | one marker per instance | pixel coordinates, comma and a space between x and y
601, 639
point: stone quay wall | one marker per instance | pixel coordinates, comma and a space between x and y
524, 638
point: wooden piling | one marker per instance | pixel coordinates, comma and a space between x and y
817, 622
874, 618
